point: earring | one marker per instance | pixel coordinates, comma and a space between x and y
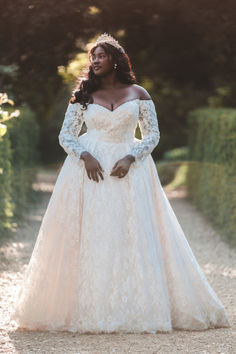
115, 66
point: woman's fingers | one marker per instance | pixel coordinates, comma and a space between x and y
89, 174
116, 171
114, 167
100, 174
122, 173
99, 171
94, 175
100, 167
95, 171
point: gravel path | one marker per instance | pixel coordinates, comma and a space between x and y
215, 257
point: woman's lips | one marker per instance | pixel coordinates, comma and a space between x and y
97, 67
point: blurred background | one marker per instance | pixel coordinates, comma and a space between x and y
182, 51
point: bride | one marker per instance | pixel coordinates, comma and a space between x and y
110, 255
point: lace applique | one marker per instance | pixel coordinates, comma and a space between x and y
72, 124
148, 125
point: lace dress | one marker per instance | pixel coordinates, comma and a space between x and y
112, 256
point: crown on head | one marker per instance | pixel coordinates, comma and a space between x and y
107, 38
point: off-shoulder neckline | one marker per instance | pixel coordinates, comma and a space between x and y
123, 103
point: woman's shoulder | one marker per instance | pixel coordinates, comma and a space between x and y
141, 92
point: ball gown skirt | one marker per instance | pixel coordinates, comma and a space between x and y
112, 256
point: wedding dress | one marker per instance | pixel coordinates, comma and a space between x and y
112, 256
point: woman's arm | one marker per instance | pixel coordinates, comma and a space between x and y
149, 128
72, 124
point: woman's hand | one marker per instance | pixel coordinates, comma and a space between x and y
92, 166
122, 166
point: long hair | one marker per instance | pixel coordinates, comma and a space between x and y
90, 82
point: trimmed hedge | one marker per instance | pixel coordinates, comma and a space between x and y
6, 204
177, 154
18, 163
211, 177
172, 167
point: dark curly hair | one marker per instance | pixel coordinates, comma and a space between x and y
91, 83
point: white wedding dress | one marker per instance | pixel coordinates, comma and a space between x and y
112, 256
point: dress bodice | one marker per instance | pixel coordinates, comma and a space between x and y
117, 126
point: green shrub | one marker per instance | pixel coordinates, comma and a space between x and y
18, 159
172, 168
177, 154
24, 133
6, 203
211, 177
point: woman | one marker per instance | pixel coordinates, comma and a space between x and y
110, 254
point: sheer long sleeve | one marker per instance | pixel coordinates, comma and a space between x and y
72, 124
149, 128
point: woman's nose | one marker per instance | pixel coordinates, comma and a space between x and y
95, 60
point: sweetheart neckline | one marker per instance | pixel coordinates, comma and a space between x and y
135, 99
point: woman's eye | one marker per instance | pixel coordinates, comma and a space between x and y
99, 56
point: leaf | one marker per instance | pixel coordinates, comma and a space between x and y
11, 102
3, 129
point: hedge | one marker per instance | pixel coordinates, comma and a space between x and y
211, 177
172, 167
6, 204
18, 163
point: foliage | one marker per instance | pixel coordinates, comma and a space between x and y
176, 154
23, 135
180, 177
183, 52
5, 114
172, 168
6, 174
211, 176
18, 159
6, 202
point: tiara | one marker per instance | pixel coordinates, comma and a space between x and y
105, 37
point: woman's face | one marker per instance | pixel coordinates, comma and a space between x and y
100, 62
